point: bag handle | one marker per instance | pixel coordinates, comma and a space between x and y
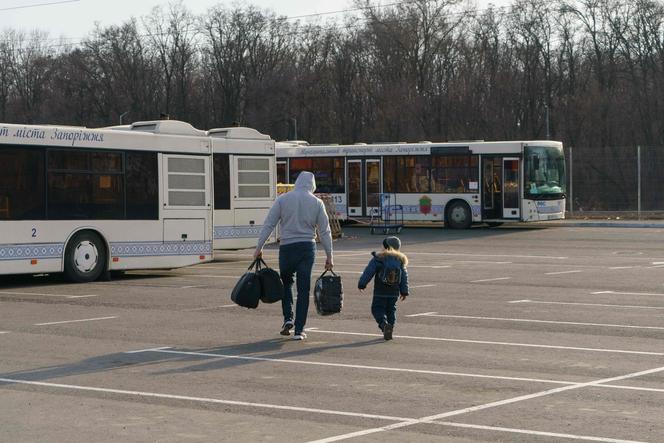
256, 264
326, 271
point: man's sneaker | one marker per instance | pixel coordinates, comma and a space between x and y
285, 329
387, 331
300, 336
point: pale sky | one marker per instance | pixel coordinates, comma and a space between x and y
76, 18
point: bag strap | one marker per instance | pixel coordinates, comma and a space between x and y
255, 264
326, 271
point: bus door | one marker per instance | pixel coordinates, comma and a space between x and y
372, 181
354, 188
492, 188
511, 207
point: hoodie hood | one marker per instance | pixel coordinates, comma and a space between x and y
306, 181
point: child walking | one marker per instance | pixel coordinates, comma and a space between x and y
388, 268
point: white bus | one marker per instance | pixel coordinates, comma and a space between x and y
457, 183
151, 195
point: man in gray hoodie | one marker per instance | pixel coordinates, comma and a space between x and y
299, 212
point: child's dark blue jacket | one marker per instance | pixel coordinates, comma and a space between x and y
376, 265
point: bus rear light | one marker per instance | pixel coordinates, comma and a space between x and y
34, 262
116, 259
202, 257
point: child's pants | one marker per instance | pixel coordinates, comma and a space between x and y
384, 308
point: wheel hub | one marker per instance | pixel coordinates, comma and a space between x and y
86, 256
458, 214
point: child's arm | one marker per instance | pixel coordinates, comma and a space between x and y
403, 286
367, 275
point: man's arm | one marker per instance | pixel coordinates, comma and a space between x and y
325, 234
271, 221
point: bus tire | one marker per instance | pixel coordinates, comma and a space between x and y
85, 257
494, 224
458, 216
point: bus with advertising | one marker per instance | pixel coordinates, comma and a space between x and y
459, 183
151, 195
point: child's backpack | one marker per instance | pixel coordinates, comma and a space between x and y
390, 274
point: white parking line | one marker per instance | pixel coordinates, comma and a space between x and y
493, 343
423, 286
626, 293
4, 332
210, 307
41, 294
451, 254
424, 314
349, 366
527, 320
213, 276
491, 279
585, 304
494, 404
622, 267
529, 432
563, 272
74, 321
140, 351
201, 399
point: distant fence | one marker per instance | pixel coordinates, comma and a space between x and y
627, 180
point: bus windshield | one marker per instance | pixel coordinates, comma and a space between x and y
544, 173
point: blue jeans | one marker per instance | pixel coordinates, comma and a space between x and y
296, 258
384, 309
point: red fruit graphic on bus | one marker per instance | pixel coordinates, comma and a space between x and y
425, 205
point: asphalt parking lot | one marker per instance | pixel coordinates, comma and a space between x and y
511, 334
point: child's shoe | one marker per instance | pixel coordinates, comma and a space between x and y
387, 331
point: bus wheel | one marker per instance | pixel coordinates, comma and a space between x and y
458, 216
85, 258
494, 224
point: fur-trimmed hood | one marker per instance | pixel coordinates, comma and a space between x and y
392, 253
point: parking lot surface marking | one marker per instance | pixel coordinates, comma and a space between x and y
140, 351
494, 404
627, 293
563, 272
212, 307
459, 254
74, 321
424, 314
491, 279
200, 399
422, 286
41, 294
584, 304
538, 433
349, 366
497, 343
552, 322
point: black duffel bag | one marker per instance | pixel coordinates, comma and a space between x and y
272, 288
247, 291
328, 294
